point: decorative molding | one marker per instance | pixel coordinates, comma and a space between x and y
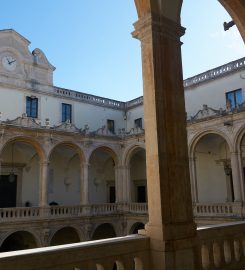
23, 121
67, 126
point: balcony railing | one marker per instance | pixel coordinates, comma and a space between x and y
217, 209
55, 212
130, 252
222, 246
200, 210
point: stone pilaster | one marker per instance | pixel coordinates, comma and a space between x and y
171, 227
236, 176
84, 185
43, 184
193, 177
122, 184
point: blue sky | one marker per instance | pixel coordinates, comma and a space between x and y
89, 41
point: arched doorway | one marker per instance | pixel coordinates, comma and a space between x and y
18, 241
20, 169
64, 236
137, 166
213, 169
102, 188
103, 231
64, 175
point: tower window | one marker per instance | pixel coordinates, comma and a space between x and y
32, 107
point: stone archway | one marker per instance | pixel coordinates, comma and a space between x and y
20, 172
18, 241
213, 169
102, 185
65, 169
103, 231
66, 235
137, 172
135, 227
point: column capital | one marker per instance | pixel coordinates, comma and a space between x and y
44, 163
151, 24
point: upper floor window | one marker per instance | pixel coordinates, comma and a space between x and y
111, 125
138, 123
66, 112
32, 107
234, 99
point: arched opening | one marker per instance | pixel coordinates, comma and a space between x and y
138, 176
137, 226
102, 188
64, 175
64, 236
20, 169
242, 149
213, 169
104, 231
18, 241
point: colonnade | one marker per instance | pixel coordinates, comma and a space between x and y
120, 158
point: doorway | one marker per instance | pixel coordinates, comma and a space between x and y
8, 190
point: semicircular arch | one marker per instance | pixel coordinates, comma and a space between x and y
35, 144
69, 144
196, 139
107, 149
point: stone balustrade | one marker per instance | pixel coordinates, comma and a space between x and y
130, 252
215, 73
56, 212
222, 210
217, 209
222, 246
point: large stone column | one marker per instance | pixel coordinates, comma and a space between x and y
43, 184
171, 227
236, 176
84, 188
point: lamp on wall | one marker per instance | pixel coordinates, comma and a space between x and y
227, 167
11, 174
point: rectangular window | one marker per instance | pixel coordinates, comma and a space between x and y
32, 107
111, 126
66, 112
234, 99
138, 123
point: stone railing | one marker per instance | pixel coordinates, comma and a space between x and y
56, 212
217, 209
130, 252
19, 213
215, 73
87, 98
222, 246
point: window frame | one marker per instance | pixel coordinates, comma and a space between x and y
32, 107
234, 94
64, 114
109, 122
136, 123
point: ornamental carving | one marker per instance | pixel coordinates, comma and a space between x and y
24, 121
67, 126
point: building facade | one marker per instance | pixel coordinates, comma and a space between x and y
73, 164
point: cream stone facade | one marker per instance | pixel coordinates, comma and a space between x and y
80, 174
